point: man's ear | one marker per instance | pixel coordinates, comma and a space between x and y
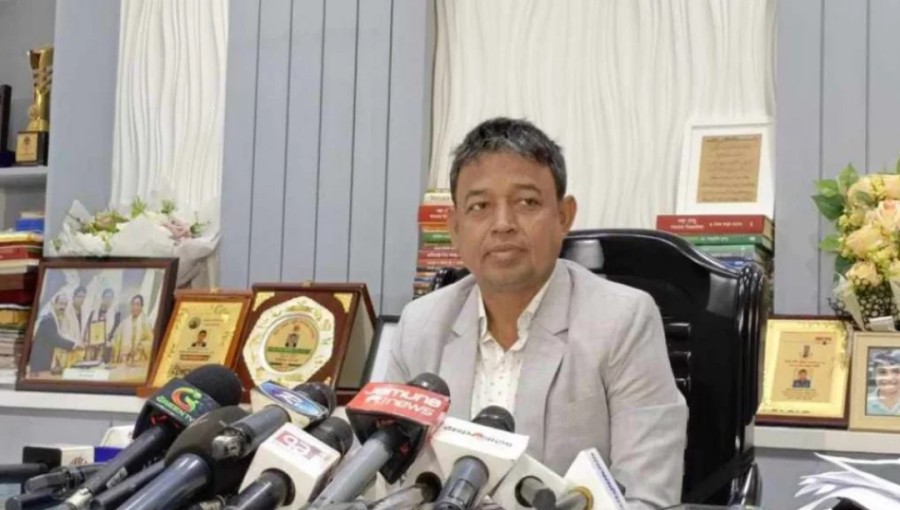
567, 209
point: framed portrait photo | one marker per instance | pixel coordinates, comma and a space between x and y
806, 372
96, 324
205, 327
875, 384
726, 167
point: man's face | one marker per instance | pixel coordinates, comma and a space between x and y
136, 307
802, 376
201, 336
60, 304
106, 301
78, 300
507, 224
887, 378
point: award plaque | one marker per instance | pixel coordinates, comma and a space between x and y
205, 327
806, 372
6, 156
31, 144
308, 332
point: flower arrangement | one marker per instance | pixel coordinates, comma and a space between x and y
866, 214
154, 228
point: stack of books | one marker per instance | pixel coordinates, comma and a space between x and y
20, 254
31, 221
735, 240
13, 322
435, 248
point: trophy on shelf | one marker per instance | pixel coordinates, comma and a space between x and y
31, 144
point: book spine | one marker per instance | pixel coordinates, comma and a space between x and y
714, 224
434, 214
19, 252
436, 237
730, 239
750, 252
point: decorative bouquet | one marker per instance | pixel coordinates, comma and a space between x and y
156, 228
866, 214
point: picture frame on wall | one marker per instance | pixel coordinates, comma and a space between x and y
205, 327
875, 385
727, 167
806, 372
96, 324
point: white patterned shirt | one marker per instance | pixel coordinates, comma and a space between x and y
497, 371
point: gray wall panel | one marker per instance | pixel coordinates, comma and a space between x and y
82, 107
797, 155
267, 211
240, 124
409, 137
370, 145
336, 157
304, 105
884, 80
843, 107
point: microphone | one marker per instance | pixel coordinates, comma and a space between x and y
307, 403
426, 489
38, 460
110, 499
524, 481
477, 454
190, 471
593, 480
170, 410
393, 422
60, 479
292, 465
36, 501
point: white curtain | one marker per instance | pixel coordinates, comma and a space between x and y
170, 101
613, 81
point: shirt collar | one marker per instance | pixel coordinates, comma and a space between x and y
524, 321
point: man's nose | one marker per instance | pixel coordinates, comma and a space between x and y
504, 220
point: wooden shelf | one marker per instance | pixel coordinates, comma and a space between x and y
119, 404
826, 440
23, 176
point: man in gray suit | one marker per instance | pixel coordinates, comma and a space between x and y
580, 361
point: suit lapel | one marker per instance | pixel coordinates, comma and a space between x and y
542, 356
458, 361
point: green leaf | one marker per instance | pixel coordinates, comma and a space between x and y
846, 178
830, 207
865, 198
831, 243
827, 187
841, 266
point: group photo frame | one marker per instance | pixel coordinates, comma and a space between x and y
96, 324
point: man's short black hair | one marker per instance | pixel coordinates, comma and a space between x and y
515, 136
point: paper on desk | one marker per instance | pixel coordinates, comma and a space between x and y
862, 487
865, 498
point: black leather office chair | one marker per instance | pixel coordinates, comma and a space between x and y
713, 318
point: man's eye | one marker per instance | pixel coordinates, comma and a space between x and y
477, 206
530, 202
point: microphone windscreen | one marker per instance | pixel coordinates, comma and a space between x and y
431, 382
320, 392
198, 437
496, 417
334, 432
217, 381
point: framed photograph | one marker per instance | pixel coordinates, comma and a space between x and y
205, 327
806, 372
726, 168
380, 353
96, 324
875, 386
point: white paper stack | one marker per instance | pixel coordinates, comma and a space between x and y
857, 483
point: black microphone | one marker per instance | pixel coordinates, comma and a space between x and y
62, 478
291, 466
18, 473
110, 499
169, 411
470, 473
191, 473
46, 499
306, 404
393, 422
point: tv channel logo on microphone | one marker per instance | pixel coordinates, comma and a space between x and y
296, 402
417, 404
304, 447
183, 401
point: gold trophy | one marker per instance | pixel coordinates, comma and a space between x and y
31, 144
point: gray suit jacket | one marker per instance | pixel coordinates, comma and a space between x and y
595, 374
